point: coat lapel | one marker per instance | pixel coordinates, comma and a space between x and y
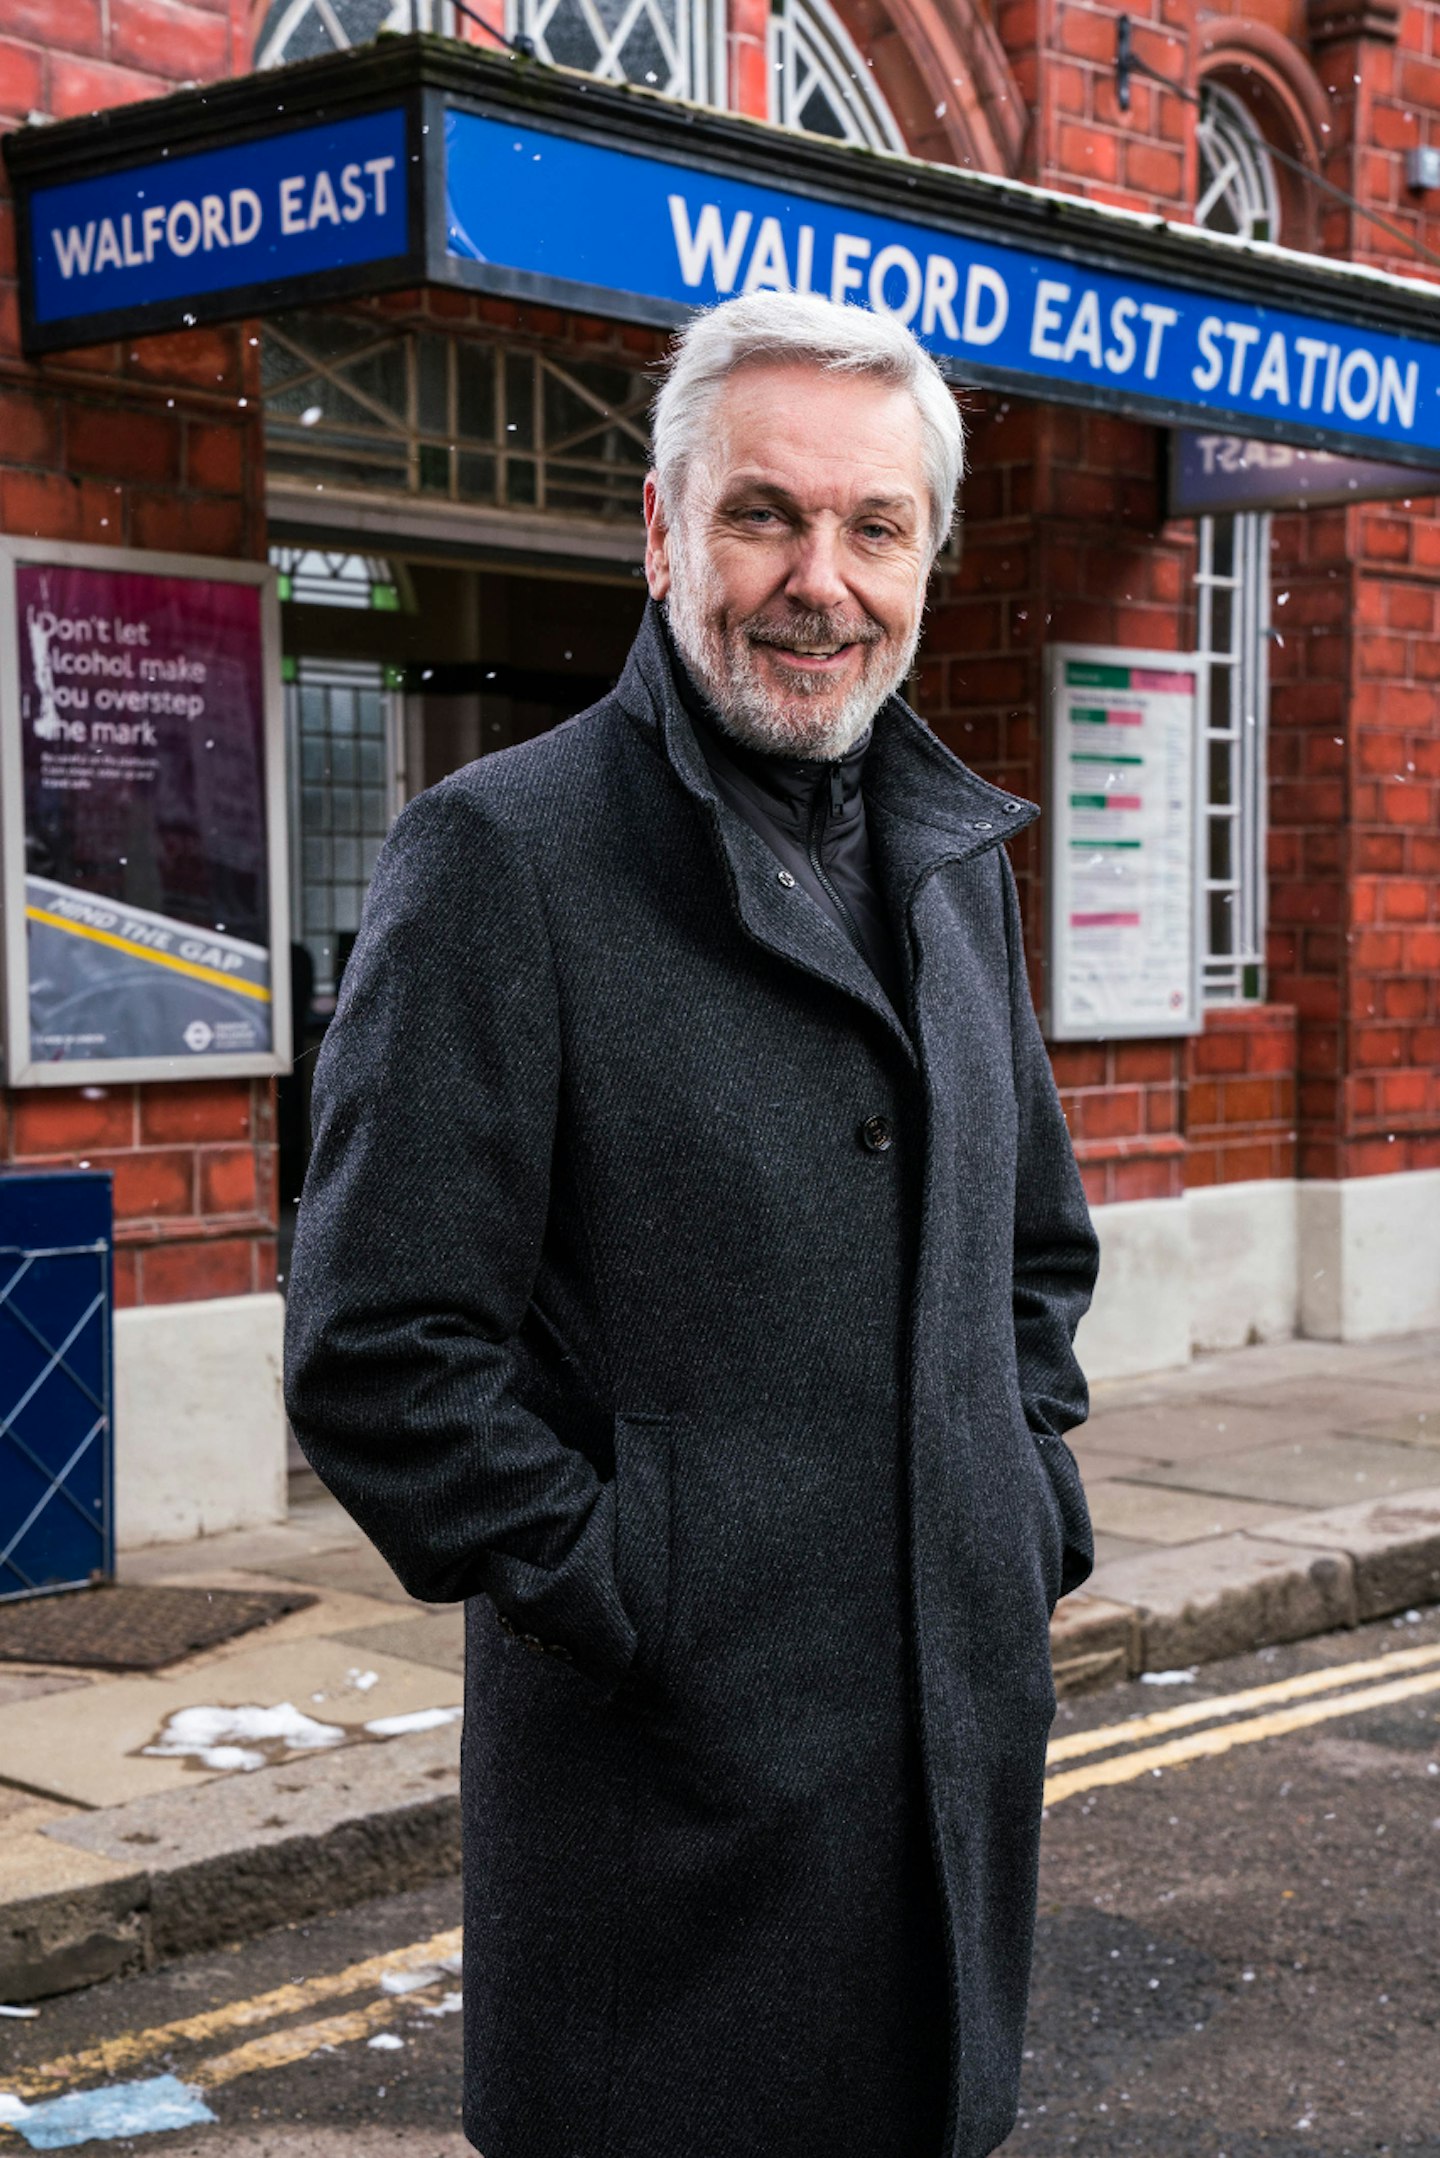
924, 808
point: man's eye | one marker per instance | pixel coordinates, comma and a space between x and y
760, 515
876, 532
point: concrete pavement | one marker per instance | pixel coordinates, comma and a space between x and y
1257, 1497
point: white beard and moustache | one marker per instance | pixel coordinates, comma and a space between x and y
724, 666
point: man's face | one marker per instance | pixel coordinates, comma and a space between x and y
795, 570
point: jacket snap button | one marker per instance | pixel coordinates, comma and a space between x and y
783, 876
876, 1133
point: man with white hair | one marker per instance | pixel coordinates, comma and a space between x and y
687, 1277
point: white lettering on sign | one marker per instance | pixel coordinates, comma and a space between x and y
707, 246
1074, 325
207, 223
984, 288
846, 275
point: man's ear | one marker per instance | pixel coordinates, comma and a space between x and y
657, 540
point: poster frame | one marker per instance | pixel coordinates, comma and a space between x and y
1192, 1019
21, 1069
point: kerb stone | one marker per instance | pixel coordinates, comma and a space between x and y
1093, 1643
1393, 1544
1198, 1602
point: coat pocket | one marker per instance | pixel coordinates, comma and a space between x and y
643, 1533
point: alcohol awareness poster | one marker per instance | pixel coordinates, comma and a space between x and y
139, 699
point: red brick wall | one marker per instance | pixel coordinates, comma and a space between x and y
1142, 159
154, 442
194, 1177
1354, 806
1239, 1096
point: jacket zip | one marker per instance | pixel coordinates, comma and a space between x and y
817, 820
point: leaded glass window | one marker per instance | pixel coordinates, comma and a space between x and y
308, 29
343, 729
1237, 180
820, 81
350, 402
674, 46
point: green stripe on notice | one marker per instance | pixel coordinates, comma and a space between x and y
1091, 674
1089, 843
1100, 756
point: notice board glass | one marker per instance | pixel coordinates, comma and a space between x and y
1125, 730
144, 895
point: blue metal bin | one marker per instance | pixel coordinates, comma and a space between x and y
57, 1427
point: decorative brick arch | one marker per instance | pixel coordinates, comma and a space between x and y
943, 72
1275, 82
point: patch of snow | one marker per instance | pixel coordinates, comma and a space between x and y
385, 2042
424, 1974
362, 1681
449, 2004
1167, 1678
418, 1719
27, 2013
243, 1738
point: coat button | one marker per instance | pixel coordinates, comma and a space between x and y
783, 876
876, 1133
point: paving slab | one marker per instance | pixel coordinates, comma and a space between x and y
95, 1759
1305, 1473
1152, 1513
436, 1637
359, 1569
1331, 1403
335, 1608
1417, 1371
295, 1839
1414, 1427
1393, 1544
1227, 1595
1098, 1459
1193, 1429
23, 1685
1109, 1547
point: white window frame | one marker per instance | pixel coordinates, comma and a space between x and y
809, 45
345, 674
1233, 613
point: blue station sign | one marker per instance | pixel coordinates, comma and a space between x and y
613, 227
418, 161
300, 203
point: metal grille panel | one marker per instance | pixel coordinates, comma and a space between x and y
56, 1422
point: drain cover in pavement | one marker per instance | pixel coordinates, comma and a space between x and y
131, 1627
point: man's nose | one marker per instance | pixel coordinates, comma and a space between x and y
816, 580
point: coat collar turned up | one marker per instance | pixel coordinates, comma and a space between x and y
925, 806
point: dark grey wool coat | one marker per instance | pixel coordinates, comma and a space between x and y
656, 1292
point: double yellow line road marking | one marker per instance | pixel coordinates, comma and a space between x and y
1109, 1755
1259, 1714
113, 2057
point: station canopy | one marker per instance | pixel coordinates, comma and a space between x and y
418, 161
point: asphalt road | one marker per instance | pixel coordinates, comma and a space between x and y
1238, 1950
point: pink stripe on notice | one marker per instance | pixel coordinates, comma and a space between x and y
1104, 921
1185, 683
1126, 719
1123, 801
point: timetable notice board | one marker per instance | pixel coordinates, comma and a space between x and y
1125, 730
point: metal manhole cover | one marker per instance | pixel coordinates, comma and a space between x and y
131, 1627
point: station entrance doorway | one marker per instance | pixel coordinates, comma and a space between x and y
399, 668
